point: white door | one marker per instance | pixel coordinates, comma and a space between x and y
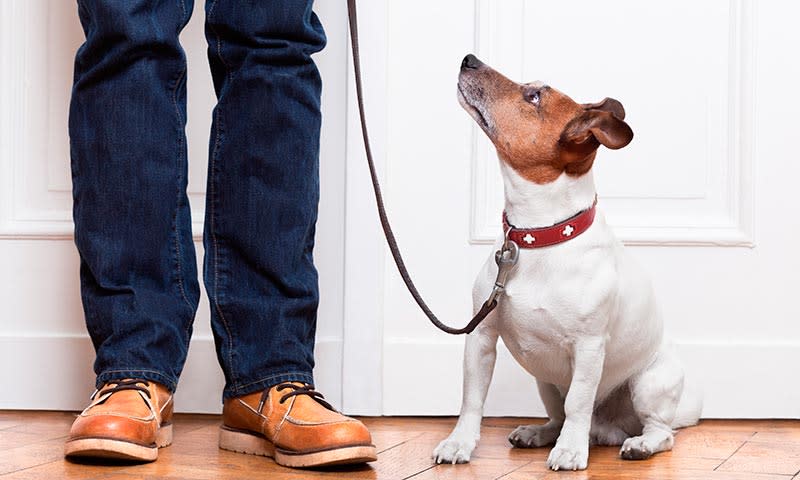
45, 353
703, 197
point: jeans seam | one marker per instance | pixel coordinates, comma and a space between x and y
178, 255
212, 203
215, 243
123, 370
216, 34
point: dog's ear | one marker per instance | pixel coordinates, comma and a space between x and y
607, 105
583, 133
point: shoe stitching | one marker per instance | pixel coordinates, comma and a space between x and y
147, 419
279, 427
298, 421
249, 407
269, 407
149, 402
264, 419
169, 401
163, 407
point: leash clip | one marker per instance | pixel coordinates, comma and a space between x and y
505, 258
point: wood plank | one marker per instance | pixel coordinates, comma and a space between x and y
717, 443
479, 469
27, 456
46, 427
756, 457
638, 473
758, 450
402, 461
5, 424
778, 435
57, 469
193, 455
186, 423
9, 439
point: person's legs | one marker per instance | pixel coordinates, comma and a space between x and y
132, 227
263, 190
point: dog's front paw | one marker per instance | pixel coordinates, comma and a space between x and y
456, 448
635, 448
527, 436
568, 458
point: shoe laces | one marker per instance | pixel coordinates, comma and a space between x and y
305, 389
121, 385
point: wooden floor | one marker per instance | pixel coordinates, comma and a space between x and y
31, 445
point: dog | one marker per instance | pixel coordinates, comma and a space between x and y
579, 314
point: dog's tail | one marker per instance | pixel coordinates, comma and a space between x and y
690, 407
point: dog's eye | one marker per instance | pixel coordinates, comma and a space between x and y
532, 96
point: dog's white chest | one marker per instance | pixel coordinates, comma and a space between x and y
539, 323
537, 346
552, 299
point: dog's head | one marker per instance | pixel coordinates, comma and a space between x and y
537, 130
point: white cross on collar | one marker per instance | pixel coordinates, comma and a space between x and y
529, 239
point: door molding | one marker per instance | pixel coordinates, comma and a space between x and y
721, 214
365, 254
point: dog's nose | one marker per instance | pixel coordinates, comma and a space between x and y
470, 62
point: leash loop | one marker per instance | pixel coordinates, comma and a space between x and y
505, 258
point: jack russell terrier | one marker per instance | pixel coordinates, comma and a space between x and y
577, 313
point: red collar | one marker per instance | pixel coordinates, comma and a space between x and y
546, 236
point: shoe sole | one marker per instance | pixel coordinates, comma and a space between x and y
106, 448
242, 442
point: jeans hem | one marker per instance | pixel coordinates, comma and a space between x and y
144, 374
265, 383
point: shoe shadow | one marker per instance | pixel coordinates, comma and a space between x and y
104, 462
343, 469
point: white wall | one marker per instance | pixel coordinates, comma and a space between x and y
44, 349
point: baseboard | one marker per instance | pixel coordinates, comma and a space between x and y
739, 379
54, 372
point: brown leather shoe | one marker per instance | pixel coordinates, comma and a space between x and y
291, 423
127, 419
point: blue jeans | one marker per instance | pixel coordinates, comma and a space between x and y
127, 119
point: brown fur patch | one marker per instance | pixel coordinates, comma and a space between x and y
531, 136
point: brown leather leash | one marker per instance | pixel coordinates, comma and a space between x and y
506, 257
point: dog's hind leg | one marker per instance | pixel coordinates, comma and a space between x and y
606, 433
527, 436
614, 419
480, 353
655, 393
